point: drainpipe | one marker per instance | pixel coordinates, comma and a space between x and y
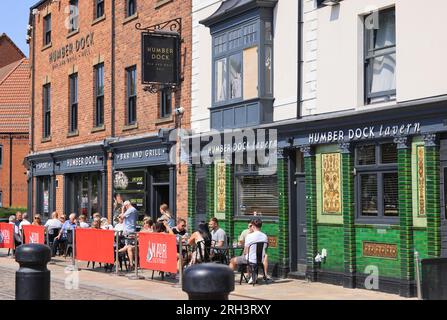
32, 80
10, 170
300, 58
112, 100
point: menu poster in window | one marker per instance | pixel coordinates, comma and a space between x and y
220, 181
46, 201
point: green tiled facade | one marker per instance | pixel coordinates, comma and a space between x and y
283, 232
433, 199
311, 212
387, 267
191, 198
330, 237
210, 191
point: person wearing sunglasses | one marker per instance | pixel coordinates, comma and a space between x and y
37, 221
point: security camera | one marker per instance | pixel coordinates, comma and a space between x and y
179, 111
35, 12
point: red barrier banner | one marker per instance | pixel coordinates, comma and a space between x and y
7, 235
33, 234
158, 251
95, 245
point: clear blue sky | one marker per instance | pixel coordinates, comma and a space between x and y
14, 15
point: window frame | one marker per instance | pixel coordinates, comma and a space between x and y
128, 6
249, 173
73, 102
74, 20
47, 30
369, 56
99, 96
46, 108
379, 169
1, 155
165, 97
99, 4
131, 99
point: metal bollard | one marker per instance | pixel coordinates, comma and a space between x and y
208, 281
33, 277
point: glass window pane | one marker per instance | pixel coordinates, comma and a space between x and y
268, 31
258, 193
161, 176
366, 155
385, 35
268, 71
251, 73
368, 184
389, 153
382, 73
236, 76
390, 194
220, 80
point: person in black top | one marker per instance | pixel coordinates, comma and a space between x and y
180, 228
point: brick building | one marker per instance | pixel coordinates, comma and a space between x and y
95, 130
14, 123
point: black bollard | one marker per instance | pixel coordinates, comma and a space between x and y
33, 277
208, 281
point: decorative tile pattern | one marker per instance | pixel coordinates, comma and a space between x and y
330, 168
421, 179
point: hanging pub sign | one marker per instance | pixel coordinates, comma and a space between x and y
161, 58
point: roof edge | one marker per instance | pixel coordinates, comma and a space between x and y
19, 63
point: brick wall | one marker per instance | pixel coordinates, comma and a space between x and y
9, 53
19, 183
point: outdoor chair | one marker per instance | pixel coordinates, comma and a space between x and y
253, 268
52, 233
203, 251
69, 245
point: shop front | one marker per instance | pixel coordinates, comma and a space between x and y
43, 180
371, 185
84, 174
143, 175
233, 183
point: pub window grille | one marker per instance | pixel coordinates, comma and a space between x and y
99, 95
131, 95
377, 182
46, 110
74, 16
380, 56
73, 102
99, 6
47, 29
165, 103
255, 191
131, 7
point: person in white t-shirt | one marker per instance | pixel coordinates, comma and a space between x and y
25, 221
249, 254
54, 222
82, 222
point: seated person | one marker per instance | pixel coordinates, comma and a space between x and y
250, 257
104, 224
180, 228
54, 222
120, 225
96, 223
62, 236
162, 227
82, 222
148, 225
243, 235
217, 233
202, 234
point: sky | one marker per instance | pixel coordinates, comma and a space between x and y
14, 15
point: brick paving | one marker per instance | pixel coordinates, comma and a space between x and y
98, 285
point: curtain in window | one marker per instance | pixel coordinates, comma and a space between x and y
384, 65
221, 84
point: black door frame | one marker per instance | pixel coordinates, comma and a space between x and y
443, 206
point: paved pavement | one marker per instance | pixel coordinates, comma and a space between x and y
98, 285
